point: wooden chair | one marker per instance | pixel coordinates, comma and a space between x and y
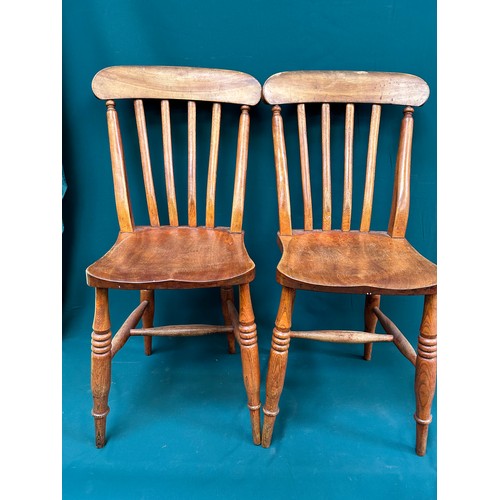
152, 257
360, 261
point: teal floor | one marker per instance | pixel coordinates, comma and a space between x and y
179, 427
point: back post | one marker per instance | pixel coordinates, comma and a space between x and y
122, 196
285, 217
401, 195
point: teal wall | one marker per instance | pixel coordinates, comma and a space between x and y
260, 38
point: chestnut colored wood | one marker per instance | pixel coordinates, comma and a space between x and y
354, 262
401, 196
146, 163
212, 164
250, 358
124, 333
227, 298
293, 87
304, 167
277, 363
371, 161
169, 163
371, 301
152, 257
100, 370
234, 317
148, 318
181, 330
341, 336
173, 257
176, 82
400, 341
285, 216
122, 197
326, 167
348, 152
241, 171
425, 373
342, 260
191, 164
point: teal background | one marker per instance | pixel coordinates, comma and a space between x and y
178, 425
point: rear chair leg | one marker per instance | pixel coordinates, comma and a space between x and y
371, 301
100, 378
227, 293
277, 363
250, 359
425, 376
147, 318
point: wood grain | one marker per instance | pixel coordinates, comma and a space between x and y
230, 317
241, 171
169, 163
212, 164
371, 162
285, 216
341, 336
123, 334
250, 359
400, 209
146, 163
425, 373
293, 87
371, 301
148, 318
326, 167
176, 82
100, 364
173, 257
277, 363
304, 167
120, 183
348, 164
191, 164
354, 262
400, 341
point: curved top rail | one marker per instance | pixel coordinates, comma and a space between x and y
297, 87
176, 82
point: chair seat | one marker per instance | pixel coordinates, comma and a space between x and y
354, 262
173, 257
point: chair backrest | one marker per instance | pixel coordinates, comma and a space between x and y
166, 83
349, 88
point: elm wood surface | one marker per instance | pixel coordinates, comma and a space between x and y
148, 258
296, 87
176, 82
345, 260
354, 262
173, 257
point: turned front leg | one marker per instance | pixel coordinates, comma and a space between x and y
277, 363
100, 379
371, 301
250, 359
148, 318
425, 375
227, 293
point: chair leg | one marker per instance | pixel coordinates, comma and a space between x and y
277, 363
147, 318
371, 301
250, 359
100, 378
425, 376
227, 293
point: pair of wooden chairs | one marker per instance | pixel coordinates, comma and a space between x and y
173, 256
